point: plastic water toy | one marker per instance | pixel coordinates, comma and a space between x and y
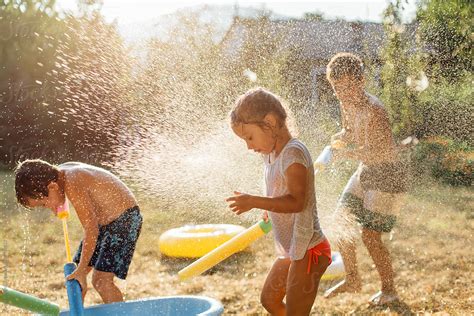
27, 302
325, 156
236, 244
335, 269
161, 306
194, 241
62, 213
170, 306
74, 292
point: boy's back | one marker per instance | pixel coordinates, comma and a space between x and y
108, 195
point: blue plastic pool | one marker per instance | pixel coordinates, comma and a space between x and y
184, 305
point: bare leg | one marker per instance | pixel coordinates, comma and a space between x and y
352, 282
84, 290
104, 284
379, 253
274, 289
302, 287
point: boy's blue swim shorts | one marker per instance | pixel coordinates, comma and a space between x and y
115, 244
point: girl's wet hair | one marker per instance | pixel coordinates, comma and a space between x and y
32, 178
254, 105
345, 64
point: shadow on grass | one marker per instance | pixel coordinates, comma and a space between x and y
399, 307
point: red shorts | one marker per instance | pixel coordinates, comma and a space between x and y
321, 249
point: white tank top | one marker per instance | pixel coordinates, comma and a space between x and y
294, 233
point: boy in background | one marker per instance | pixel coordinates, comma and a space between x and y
374, 192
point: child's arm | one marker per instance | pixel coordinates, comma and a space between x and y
85, 212
345, 134
293, 202
349, 152
378, 141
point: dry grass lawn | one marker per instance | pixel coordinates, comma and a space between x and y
431, 248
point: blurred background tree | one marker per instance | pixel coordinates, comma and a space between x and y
396, 95
444, 33
61, 85
71, 90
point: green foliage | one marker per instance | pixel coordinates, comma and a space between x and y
396, 95
427, 76
314, 16
29, 34
447, 160
60, 84
445, 31
446, 109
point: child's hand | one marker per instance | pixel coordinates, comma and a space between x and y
81, 277
241, 203
339, 135
340, 154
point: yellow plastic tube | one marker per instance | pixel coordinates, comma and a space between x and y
236, 244
63, 213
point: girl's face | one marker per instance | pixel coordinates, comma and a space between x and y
258, 139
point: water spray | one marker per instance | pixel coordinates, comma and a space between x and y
326, 155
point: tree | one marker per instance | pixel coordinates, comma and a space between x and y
62, 87
30, 31
446, 45
445, 31
397, 97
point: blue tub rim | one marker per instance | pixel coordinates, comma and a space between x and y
215, 308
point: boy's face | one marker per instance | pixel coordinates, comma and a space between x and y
347, 88
54, 199
257, 138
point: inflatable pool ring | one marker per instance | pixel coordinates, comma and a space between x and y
194, 241
335, 269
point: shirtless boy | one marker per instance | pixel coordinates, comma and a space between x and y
374, 192
105, 207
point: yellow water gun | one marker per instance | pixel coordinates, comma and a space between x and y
236, 244
63, 213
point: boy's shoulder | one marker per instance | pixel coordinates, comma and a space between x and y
73, 167
78, 174
374, 101
376, 106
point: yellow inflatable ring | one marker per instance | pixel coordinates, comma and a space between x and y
335, 269
194, 241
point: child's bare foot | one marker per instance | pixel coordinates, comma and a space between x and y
381, 298
343, 287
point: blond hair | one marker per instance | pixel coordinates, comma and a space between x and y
254, 105
345, 64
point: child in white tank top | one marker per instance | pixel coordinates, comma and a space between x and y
303, 251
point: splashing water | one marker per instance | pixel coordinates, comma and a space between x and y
167, 120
